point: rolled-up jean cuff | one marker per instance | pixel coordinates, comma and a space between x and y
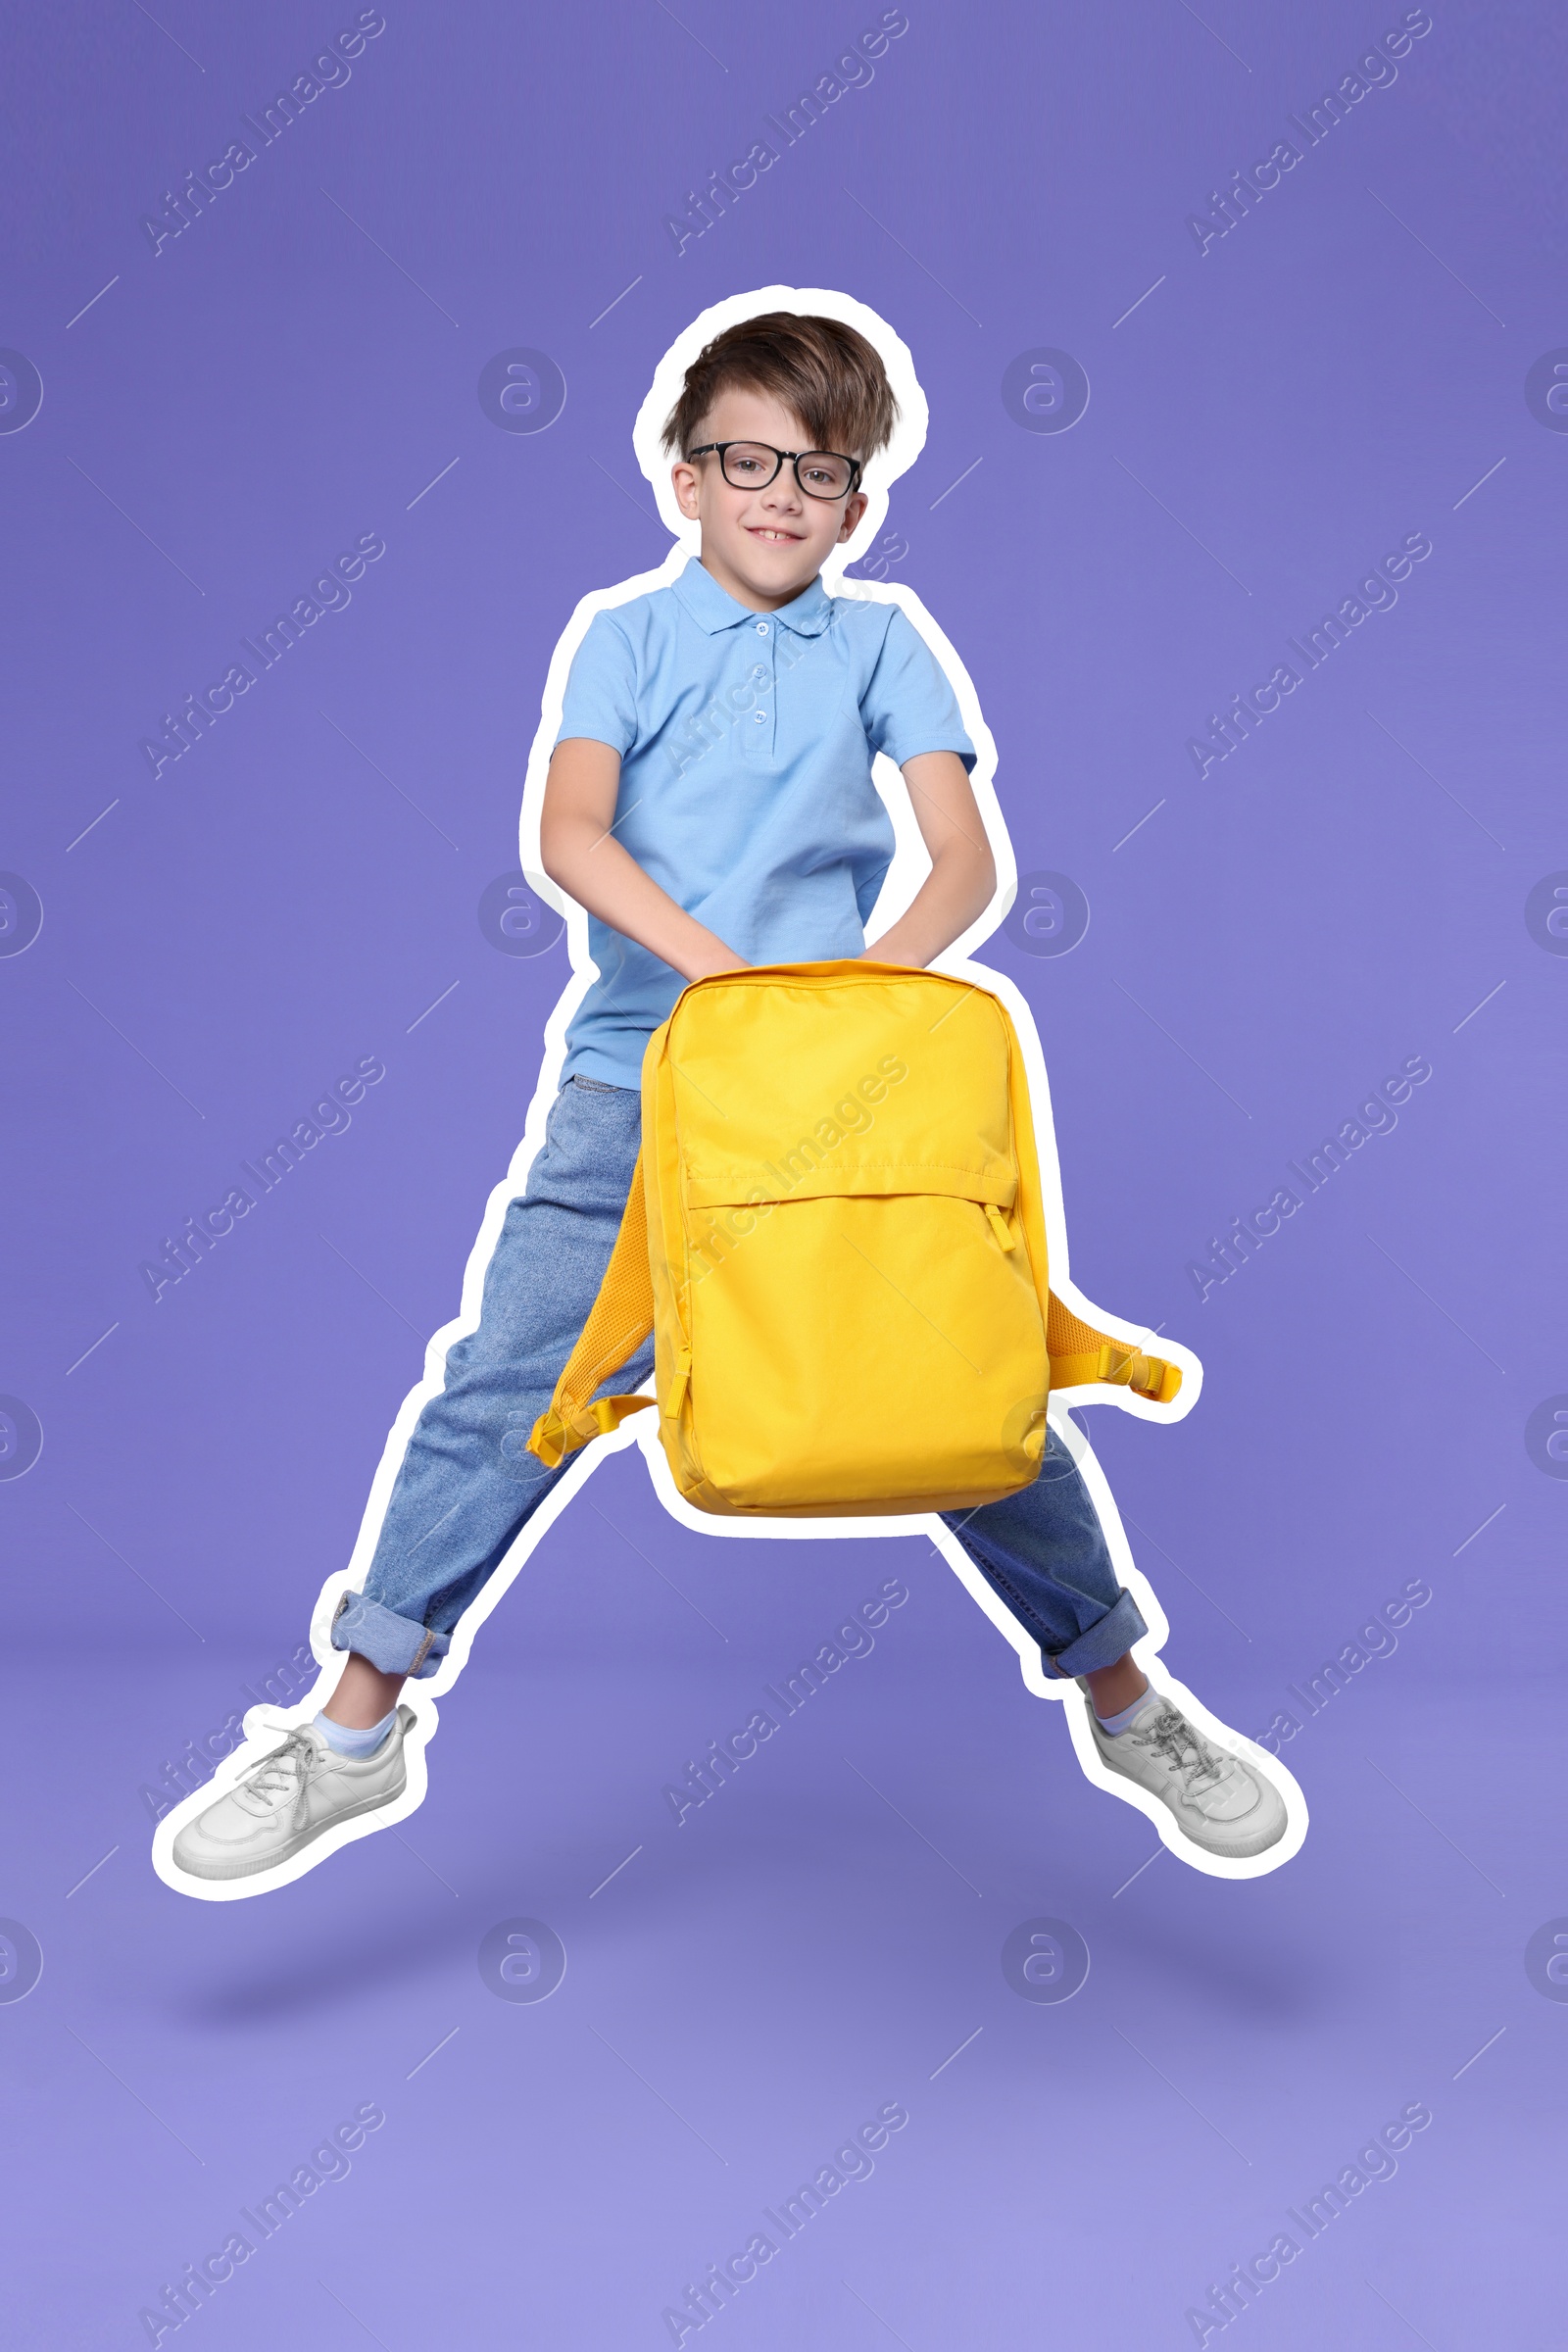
1109, 1637
394, 1645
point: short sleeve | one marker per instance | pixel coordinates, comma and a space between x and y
908, 705
601, 697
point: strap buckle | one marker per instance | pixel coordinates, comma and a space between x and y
1130, 1368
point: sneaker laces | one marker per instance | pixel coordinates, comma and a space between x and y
277, 1776
1201, 1765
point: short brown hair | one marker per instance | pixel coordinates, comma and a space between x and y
829, 375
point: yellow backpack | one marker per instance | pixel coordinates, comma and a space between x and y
835, 1232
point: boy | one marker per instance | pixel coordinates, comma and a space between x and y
700, 847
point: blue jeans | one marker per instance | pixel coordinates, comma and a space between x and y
467, 1484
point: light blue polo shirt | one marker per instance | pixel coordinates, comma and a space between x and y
745, 741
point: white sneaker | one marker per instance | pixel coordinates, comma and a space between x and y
293, 1796
1219, 1801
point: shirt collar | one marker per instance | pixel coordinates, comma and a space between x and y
713, 609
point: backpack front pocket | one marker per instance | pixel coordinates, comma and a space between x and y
884, 1347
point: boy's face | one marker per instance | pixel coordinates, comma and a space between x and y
763, 546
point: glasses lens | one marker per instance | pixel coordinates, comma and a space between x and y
824, 475
750, 464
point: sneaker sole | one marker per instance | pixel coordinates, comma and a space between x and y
294, 1846
1230, 1850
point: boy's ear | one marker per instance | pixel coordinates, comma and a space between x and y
684, 478
854, 508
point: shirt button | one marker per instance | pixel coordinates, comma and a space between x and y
762, 628
760, 716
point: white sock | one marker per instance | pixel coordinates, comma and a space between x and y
344, 1741
1128, 1716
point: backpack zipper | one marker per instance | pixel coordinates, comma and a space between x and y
677, 1394
998, 1226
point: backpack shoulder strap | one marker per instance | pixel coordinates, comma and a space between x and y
619, 1321
1080, 1355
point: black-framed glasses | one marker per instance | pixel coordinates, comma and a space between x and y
752, 464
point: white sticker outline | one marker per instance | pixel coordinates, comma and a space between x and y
264, 1725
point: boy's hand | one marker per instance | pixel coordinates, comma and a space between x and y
578, 849
964, 873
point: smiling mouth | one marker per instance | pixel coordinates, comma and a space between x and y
771, 537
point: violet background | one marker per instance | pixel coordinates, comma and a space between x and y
1341, 893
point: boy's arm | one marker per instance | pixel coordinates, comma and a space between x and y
580, 850
963, 872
